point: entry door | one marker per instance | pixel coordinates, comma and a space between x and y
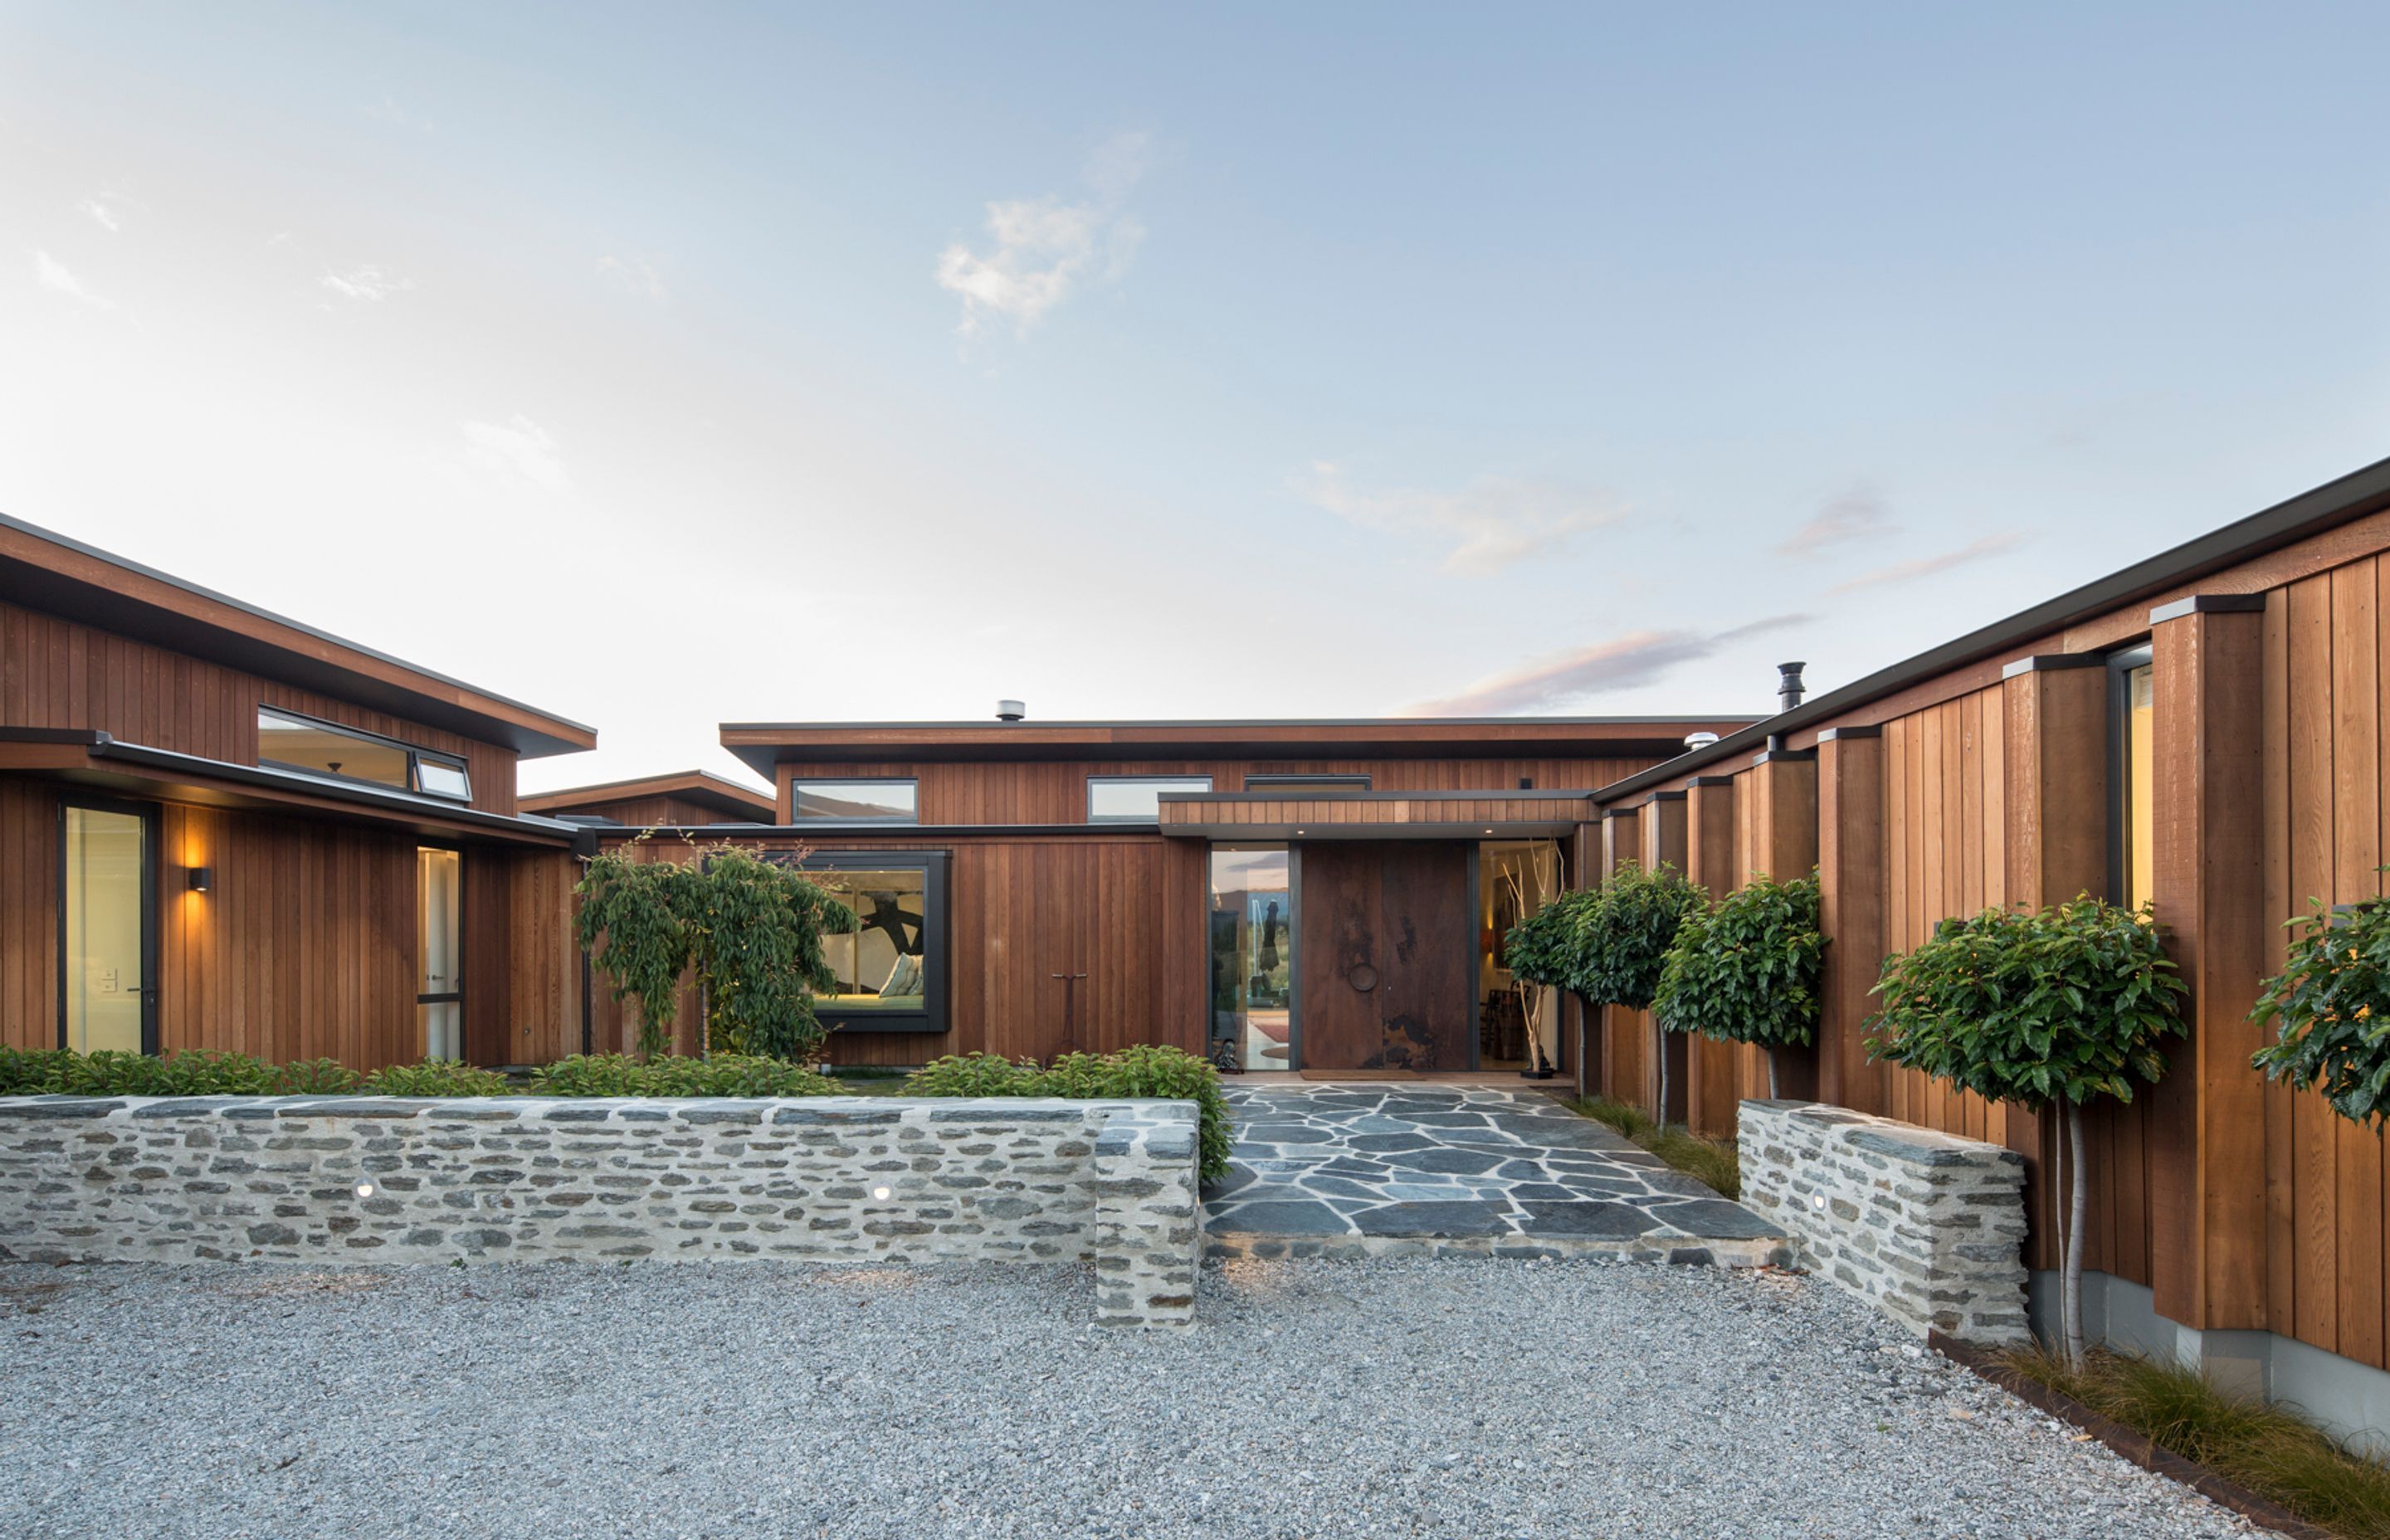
108, 928
1388, 956
439, 999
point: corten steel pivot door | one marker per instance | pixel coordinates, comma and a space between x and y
108, 936
1386, 956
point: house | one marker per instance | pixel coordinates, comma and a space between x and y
1319, 895
2205, 730
678, 800
223, 829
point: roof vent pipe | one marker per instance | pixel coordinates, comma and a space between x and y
1699, 740
1011, 710
1788, 685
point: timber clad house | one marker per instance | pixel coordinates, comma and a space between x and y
221, 829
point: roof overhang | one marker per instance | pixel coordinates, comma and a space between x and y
2353, 497
1275, 816
700, 787
44, 570
763, 744
88, 758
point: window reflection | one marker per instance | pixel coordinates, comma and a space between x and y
1253, 955
882, 963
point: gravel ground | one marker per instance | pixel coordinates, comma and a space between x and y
1469, 1399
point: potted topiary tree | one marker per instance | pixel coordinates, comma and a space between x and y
1745, 968
1623, 944
2055, 1006
2332, 1003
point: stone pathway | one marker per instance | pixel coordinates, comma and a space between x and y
1380, 1167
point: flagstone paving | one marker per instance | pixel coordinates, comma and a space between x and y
1379, 1165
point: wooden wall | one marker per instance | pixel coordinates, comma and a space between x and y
305, 944
1056, 791
55, 672
1126, 909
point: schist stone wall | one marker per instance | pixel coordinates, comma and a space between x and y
826, 1179
1928, 1226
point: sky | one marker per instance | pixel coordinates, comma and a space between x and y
670, 365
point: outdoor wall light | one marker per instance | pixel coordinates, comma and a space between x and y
880, 1193
364, 1189
202, 877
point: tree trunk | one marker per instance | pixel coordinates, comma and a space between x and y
1771, 1071
2074, 1274
1660, 1049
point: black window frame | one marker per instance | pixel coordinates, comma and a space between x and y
2121, 664
933, 864
1356, 780
797, 813
1177, 783
151, 828
415, 757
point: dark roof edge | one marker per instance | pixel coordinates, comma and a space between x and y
2336, 502
213, 597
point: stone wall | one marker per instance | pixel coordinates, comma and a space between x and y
817, 1179
1927, 1225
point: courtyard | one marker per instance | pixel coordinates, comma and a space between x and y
1385, 1396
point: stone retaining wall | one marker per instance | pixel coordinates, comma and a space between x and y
1927, 1225
819, 1179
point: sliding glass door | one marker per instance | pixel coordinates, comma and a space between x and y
1252, 956
439, 1000
108, 936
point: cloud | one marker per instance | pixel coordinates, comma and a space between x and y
1858, 514
519, 448
51, 273
1044, 247
1926, 566
634, 276
369, 282
1487, 526
1623, 662
102, 213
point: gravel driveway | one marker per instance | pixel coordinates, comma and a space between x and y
1386, 1397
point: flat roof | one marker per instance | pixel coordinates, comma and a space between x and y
56, 574
765, 744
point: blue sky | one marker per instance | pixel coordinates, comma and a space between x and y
670, 365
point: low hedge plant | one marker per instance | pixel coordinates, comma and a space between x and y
614, 1074
59, 1071
1142, 1070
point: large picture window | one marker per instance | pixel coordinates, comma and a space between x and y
289, 741
1136, 799
889, 974
855, 802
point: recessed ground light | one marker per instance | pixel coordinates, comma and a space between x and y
364, 1189
1818, 1200
879, 1192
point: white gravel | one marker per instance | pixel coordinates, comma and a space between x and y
1464, 1398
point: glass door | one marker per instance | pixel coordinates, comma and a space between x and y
1253, 957
108, 929
439, 1000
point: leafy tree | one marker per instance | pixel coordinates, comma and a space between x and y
750, 929
2332, 1002
2059, 1005
1622, 941
1745, 969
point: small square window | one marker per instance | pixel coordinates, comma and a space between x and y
438, 777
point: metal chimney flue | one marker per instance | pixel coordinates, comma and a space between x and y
1011, 710
1788, 685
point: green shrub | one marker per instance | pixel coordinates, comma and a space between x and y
1745, 969
30, 1072
436, 1077
2332, 1001
976, 1074
1547, 947
2059, 1005
1142, 1070
113, 1074
614, 1074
